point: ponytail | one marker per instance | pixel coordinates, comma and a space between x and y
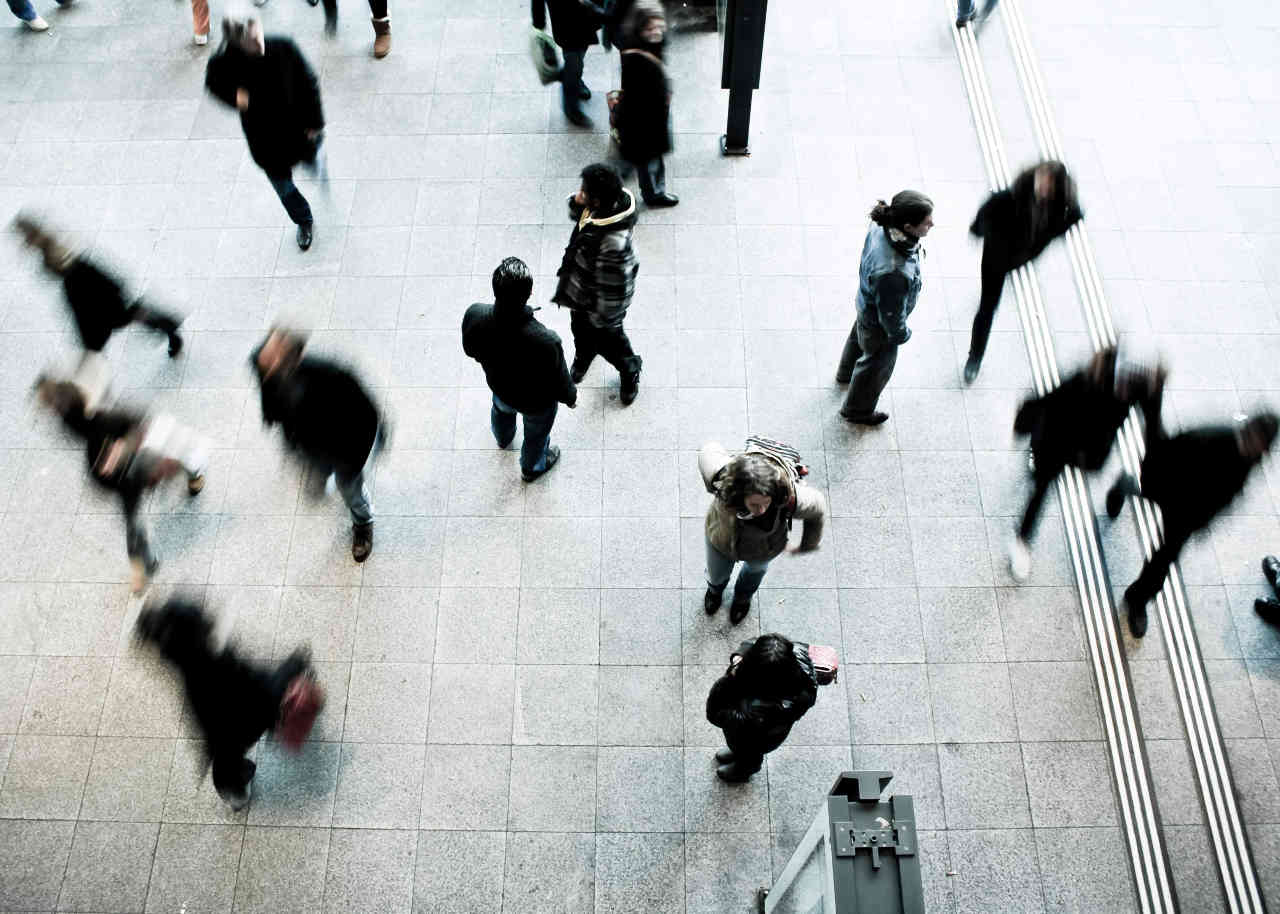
909, 207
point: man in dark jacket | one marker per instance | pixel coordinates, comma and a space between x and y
597, 276
523, 364
574, 24
278, 96
1191, 477
98, 300
1016, 225
327, 416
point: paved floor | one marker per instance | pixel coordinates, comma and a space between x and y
517, 675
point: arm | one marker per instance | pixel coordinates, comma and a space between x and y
568, 390
893, 307
310, 111
220, 80
712, 458
811, 507
724, 708
1151, 405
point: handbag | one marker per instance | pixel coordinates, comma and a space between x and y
826, 663
546, 59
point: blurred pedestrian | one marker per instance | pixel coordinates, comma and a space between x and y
232, 700
1016, 224
270, 83
1269, 607
757, 495
1191, 476
573, 25
888, 285
1074, 425
129, 453
644, 118
523, 364
327, 417
597, 276
27, 13
98, 300
766, 689
966, 14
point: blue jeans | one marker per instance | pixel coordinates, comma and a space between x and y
964, 8
720, 567
25, 11
571, 80
537, 433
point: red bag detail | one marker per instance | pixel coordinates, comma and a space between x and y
303, 700
826, 663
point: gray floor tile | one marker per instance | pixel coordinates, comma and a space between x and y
556, 705
65, 696
379, 786
553, 788
640, 872
558, 625
550, 874
369, 867
641, 706
1194, 875
109, 866
472, 703
798, 778
881, 624
388, 702
127, 779
396, 624
961, 624
996, 870
972, 702
983, 785
1055, 700
282, 869
1060, 779
639, 626
915, 773
1072, 884
459, 872
34, 856
466, 787
296, 789
190, 797
45, 777
477, 624
195, 865
889, 704
640, 789
723, 876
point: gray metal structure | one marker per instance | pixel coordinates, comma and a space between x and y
741, 24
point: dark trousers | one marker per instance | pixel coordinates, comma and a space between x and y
537, 432
653, 178
995, 267
571, 80
866, 364
377, 7
1156, 568
1046, 473
747, 757
294, 203
153, 319
610, 342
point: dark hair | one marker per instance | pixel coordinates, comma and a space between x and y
769, 668
512, 282
752, 474
909, 207
602, 183
1266, 425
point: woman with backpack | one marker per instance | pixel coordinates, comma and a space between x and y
765, 690
757, 495
644, 114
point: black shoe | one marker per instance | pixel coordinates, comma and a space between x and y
865, 419
578, 372
1115, 497
738, 611
961, 23
1271, 568
304, 235
578, 119
361, 541
711, 602
733, 774
1137, 615
313, 2
1269, 610
583, 92
971, 368
840, 380
630, 388
553, 456
724, 756
660, 200
175, 345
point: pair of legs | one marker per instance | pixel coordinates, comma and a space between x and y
995, 266
866, 366
294, 203
1149, 581
1046, 471
535, 449
719, 570
27, 13
744, 757
572, 89
352, 488
610, 342
653, 179
159, 321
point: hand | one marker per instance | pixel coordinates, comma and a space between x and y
242, 99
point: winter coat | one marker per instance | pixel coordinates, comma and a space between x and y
325, 413
1019, 225
644, 122
888, 284
523, 359
573, 22
751, 723
98, 302
284, 101
748, 540
597, 274
98, 432
1072, 425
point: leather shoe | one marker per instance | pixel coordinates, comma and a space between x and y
971, 368
1269, 610
1137, 615
662, 199
583, 92
361, 541
865, 419
553, 457
724, 756
711, 602
304, 236
733, 774
1271, 568
738, 611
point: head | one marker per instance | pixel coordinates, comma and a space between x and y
62, 397
1048, 178
752, 485
769, 669
280, 352
653, 28
1101, 369
601, 190
909, 211
245, 33
56, 254
512, 284
1256, 434
178, 628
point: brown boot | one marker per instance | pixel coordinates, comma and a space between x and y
382, 37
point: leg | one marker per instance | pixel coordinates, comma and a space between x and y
1124, 486
1044, 479
330, 17
747, 760
650, 174
615, 347
964, 10
159, 321
749, 579
584, 344
23, 10
993, 274
719, 568
1155, 569
232, 773
502, 420
141, 560
537, 440
294, 203
200, 19
571, 83
870, 373
356, 496
849, 358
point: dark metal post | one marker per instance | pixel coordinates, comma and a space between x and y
742, 22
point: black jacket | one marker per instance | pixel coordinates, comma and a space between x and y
284, 101
753, 723
1072, 425
97, 301
573, 22
97, 432
325, 413
523, 359
644, 122
1009, 221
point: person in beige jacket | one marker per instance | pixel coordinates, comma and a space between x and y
749, 520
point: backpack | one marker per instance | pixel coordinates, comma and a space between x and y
785, 454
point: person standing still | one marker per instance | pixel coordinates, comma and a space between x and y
644, 122
277, 94
523, 364
888, 286
597, 276
574, 24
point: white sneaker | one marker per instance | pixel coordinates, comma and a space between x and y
37, 24
1019, 560
201, 40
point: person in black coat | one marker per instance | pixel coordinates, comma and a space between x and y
327, 417
98, 300
644, 118
766, 689
1191, 476
270, 83
1016, 224
574, 24
1074, 425
234, 702
523, 364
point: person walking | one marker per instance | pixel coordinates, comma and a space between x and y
644, 118
574, 24
327, 417
523, 364
757, 495
597, 277
270, 83
1074, 425
769, 685
200, 22
1016, 224
1191, 477
27, 13
888, 286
